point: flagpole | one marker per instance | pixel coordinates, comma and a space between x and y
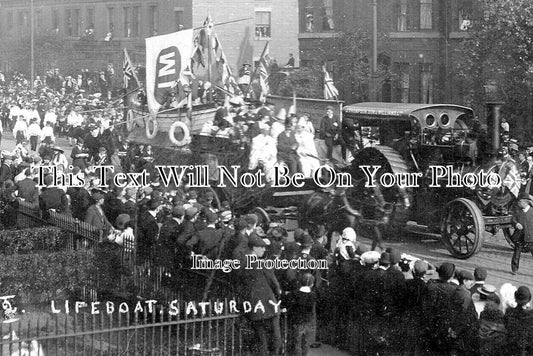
225, 23
209, 49
255, 70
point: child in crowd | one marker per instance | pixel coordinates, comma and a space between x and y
302, 315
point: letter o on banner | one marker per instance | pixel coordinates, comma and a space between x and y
186, 139
152, 121
130, 122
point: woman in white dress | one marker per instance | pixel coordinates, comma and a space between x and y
306, 148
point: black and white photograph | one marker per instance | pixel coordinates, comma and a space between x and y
266, 177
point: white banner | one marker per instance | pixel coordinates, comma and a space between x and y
166, 58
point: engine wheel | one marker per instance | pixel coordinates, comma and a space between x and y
462, 228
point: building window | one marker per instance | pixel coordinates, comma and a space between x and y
38, 19
76, 22
426, 14
68, 22
135, 21
317, 15
127, 22
464, 15
152, 20
426, 83
110, 19
262, 24
414, 15
178, 20
402, 71
55, 21
90, 18
327, 17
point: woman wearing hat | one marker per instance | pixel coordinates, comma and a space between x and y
59, 159
95, 214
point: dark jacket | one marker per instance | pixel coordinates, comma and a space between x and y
259, 285
209, 240
519, 325
147, 232
526, 220
28, 190
97, 218
53, 198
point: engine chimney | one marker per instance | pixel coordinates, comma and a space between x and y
493, 122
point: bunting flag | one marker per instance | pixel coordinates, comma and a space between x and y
264, 63
127, 69
330, 92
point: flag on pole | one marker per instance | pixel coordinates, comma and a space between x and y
167, 65
127, 69
330, 92
510, 177
264, 63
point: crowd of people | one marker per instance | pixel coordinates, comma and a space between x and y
378, 302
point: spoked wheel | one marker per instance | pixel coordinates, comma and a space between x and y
508, 234
463, 228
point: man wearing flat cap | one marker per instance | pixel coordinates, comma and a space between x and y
167, 242
148, 229
523, 235
261, 285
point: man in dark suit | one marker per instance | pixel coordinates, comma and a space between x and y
261, 285
170, 230
329, 131
519, 324
523, 235
148, 230
27, 188
210, 238
187, 233
53, 198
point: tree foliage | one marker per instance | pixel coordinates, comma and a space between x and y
496, 61
348, 57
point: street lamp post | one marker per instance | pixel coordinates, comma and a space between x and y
373, 78
32, 53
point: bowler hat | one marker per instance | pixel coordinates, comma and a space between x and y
385, 258
480, 273
522, 295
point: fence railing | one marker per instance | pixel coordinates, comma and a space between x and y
150, 280
163, 330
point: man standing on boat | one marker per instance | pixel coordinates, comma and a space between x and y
244, 77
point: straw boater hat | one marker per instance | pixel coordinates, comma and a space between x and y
282, 115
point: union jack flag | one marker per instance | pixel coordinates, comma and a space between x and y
127, 69
510, 177
330, 91
264, 63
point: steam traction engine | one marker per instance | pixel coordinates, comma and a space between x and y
396, 140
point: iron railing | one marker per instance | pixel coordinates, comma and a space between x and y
116, 332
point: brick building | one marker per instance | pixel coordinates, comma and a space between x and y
87, 23
415, 41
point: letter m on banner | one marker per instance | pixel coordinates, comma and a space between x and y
167, 56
